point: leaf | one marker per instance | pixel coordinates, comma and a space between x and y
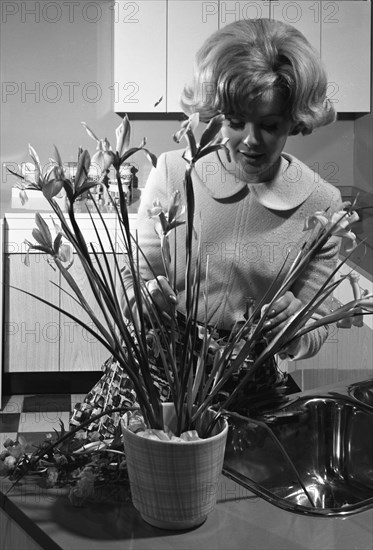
90, 132
21, 440
82, 170
46, 237
52, 188
41, 248
62, 426
129, 153
153, 159
185, 125
34, 156
123, 134
57, 227
163, 221
49, 169
36, 160
23, 196
199, 376
210, 149
66, 254
213, 128
58, 157
227, 153
85, 187
166, 254
192, 144
69, 189
174, 206
194, 122
57, 243
39, 238
15, 174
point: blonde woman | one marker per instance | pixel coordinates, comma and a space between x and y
268, 81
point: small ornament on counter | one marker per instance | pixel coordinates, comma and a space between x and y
126, 177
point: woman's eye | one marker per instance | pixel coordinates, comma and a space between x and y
269, 127
236, 125
240, 125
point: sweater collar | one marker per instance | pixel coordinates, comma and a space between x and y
292, 185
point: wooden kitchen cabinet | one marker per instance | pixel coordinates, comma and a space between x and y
304, 16
162, 39
31, 328
79, 349
140, 56
231, 10
189, 24
38, 338
340, 32
346, 52
2, 293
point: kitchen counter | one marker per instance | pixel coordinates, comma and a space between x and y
34, 518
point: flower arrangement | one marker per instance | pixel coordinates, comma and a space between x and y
196, 365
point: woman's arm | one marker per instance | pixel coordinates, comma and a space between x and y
156, 188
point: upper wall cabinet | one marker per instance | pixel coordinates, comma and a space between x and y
155, 42
341, 33
189, 24
140, 38
230, 11
346, 52
304, 15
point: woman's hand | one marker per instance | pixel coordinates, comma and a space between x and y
280, 313
164, 298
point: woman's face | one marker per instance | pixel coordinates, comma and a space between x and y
256, 143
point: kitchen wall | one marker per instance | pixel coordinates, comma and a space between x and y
363, 144
55, 75
363, 180
56, 71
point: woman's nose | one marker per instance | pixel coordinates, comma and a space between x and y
250, 135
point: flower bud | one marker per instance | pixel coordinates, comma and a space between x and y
123, 134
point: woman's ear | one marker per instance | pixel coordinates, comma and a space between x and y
300, 128
295, 129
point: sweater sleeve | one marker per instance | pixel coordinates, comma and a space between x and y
149, 242
307, 286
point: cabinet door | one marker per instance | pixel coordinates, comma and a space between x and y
80, 350
140, 56
31, 329
190, 22
304, 16
346, 52
1, 304
230, 10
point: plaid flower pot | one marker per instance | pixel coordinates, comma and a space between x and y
174, 485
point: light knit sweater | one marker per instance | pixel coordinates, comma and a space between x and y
246, 232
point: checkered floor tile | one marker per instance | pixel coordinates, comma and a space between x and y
34, 416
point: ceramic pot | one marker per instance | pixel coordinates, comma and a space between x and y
174, 485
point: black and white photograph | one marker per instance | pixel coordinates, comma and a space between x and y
186, 274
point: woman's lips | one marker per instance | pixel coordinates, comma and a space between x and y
251, 157
250, 154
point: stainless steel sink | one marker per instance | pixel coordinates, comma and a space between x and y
312, 456
362, 391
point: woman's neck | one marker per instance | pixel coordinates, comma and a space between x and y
239, 172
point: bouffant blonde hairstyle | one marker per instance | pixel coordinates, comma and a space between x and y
243, 60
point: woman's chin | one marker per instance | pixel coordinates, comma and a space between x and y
253, 171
